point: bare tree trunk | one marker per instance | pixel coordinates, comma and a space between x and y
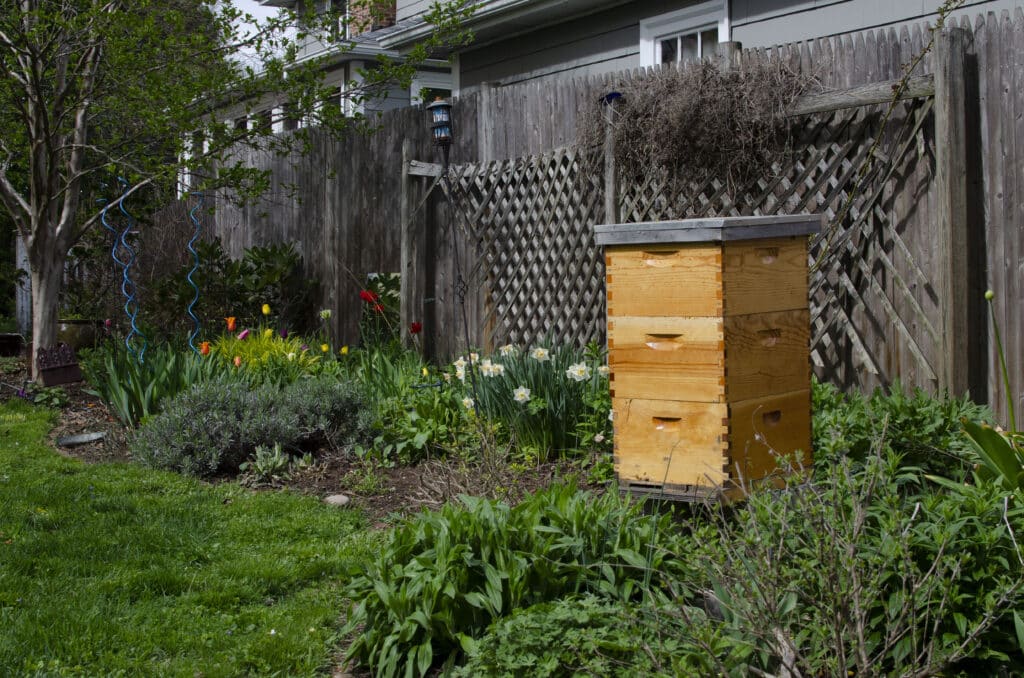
46, 282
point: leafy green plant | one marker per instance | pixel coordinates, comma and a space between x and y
263, 356
271, 464
417, 414
270, 275
46, 396
134, 390
442, 578
551, 400
866, 571
923, 429
1001, 453
578, 635
217, 425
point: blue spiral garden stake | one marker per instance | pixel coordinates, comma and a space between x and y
195, 267
131, 306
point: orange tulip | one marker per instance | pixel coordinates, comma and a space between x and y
204, 348
231, 323
238, 361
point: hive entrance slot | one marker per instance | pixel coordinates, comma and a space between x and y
665, 423
769, 337
664, 342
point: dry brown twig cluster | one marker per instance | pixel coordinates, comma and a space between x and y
701, 121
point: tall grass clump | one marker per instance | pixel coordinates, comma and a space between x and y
135, 390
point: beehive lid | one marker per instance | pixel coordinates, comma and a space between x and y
719, 229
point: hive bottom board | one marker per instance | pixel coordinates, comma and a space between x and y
692, 448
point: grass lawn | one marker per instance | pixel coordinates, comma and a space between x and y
111, 569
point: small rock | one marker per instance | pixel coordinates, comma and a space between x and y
82, 439
337, 500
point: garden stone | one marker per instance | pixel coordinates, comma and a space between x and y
337, 500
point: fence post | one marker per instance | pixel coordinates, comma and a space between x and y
611, 183
728, 54
411, 265
951, 181
485, 122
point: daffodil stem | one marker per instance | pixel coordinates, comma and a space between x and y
1002, 364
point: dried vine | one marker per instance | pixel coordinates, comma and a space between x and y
700, 121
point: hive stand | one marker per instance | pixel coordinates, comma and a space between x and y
708, 333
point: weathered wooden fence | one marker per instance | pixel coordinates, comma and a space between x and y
915, 237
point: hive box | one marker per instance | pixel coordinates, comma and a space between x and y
708, 333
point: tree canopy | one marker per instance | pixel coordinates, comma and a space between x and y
94, 90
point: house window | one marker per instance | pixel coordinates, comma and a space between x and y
684, 35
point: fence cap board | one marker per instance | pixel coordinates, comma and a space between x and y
719, 229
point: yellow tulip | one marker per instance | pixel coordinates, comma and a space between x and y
325, 348
343, 350
266, 309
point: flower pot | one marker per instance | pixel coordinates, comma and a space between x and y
77, 333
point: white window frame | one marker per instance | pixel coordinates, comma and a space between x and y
692, 19
425, 80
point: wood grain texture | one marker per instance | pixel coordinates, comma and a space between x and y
764, 276
767, 353
669, 442
761, 429
660, 280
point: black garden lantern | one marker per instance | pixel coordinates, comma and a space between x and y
441, 125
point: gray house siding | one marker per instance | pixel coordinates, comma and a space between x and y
595, 43
609, 40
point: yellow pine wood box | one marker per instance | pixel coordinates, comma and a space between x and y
708, 333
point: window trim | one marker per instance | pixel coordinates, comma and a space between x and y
692, 19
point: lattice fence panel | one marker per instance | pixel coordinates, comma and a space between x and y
532, 220
873, 309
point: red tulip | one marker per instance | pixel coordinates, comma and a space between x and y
378, 308
368, 296
415, 327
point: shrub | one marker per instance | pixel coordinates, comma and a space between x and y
265, 357
926, 431
264, 275
444, 577
860, 573
215, 426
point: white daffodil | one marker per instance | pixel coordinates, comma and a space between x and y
521, 394
603, 370
540, 354
507, 350
578, 372
468, 403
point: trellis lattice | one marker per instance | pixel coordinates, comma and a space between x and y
532, 220
874, 310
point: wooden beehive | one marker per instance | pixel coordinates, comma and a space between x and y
708, 333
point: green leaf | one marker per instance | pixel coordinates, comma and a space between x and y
1018, 626
425, 658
